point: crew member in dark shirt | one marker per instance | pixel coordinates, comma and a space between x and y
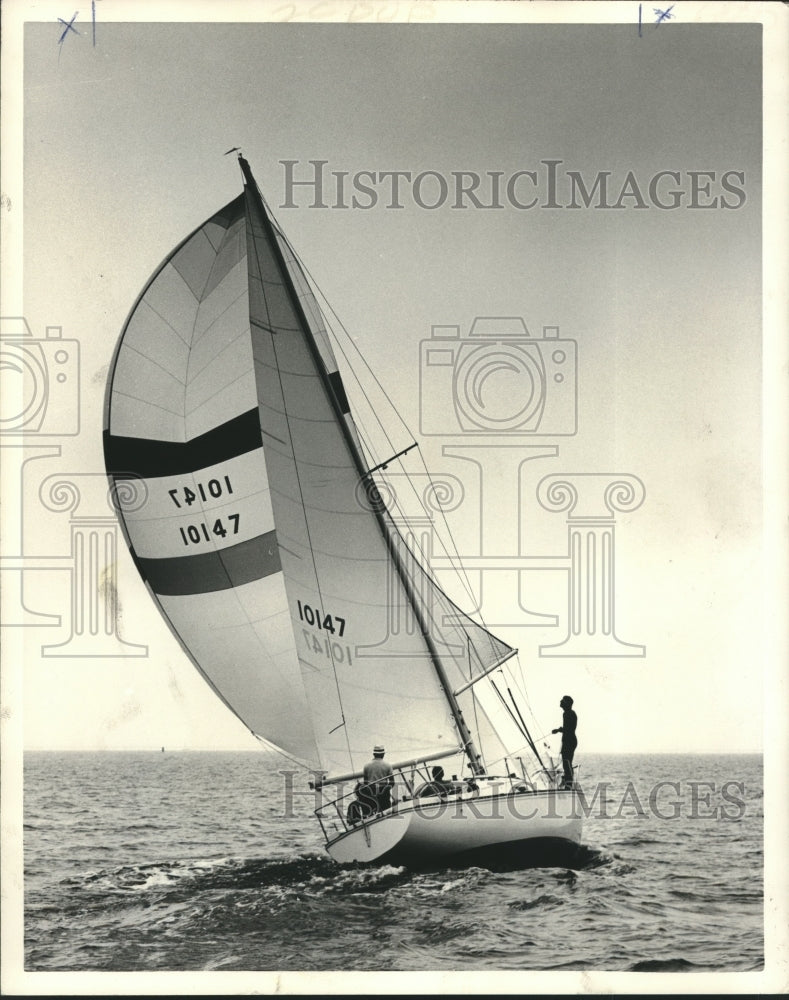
569, 739
438, 786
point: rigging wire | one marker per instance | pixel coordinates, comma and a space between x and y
453, 555
525, 728
324, 309
503, 701
350, 339
391, 534
283, 753
474, 704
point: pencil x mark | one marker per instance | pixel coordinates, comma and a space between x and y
69, 26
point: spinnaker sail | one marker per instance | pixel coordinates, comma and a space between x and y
245, 498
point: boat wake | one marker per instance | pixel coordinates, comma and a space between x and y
315, 872
312, 873
252, 905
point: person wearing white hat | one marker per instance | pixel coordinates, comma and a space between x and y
379, 778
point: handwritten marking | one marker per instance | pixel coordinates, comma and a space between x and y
639, 20
363, 10
663, 15
69, 27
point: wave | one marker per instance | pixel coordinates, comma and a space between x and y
539, 902
588, 857
664, 965
640, 841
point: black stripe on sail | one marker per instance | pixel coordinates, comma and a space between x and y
207, 572
339, 391
143, 458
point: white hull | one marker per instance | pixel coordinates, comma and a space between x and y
527, 829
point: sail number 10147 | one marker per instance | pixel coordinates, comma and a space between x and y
314, 617
335, 651
212, 490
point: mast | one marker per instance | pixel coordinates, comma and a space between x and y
365, 476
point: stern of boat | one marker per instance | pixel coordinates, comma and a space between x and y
371, 840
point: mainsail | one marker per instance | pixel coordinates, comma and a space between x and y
246, 503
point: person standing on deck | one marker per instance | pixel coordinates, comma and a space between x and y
569, 739
379, 779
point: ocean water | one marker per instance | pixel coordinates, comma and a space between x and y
198, 861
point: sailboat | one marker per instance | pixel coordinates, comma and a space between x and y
259, 522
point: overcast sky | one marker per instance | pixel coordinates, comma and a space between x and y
123, 144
